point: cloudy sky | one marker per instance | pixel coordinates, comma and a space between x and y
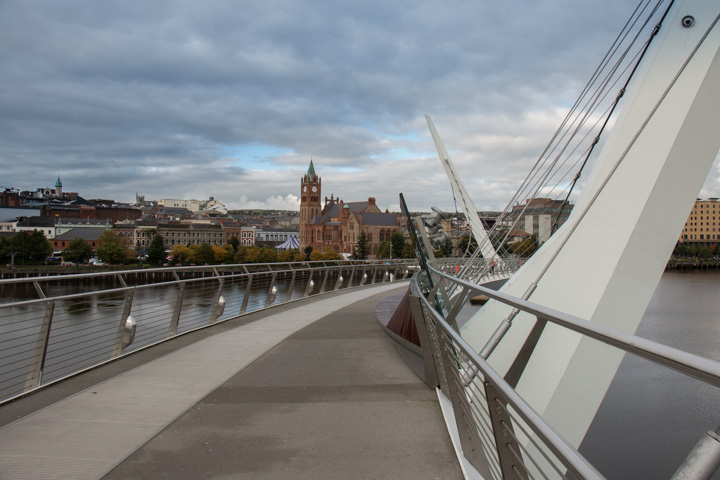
231, 99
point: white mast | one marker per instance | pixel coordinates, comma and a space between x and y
467, 205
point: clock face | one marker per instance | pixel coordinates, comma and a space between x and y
305, 188
314, 189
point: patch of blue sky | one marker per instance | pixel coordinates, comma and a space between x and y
255, 155
408, 137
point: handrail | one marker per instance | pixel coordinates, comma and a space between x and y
487, 408
573, 460
271, 267
44, 340
692, 365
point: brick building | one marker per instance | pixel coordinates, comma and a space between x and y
337, 224
703, 224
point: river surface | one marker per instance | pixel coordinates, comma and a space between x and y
651, 416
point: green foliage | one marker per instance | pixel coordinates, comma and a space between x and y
267, 255
156, 253
524, 248
255, 254
287, 255
28, 247
204, 254
234, 243
692, 251
112, 248
681, 250
182, 255
224, 254
308, 251
704, 252
361, 249
408, 250
77, 251
384, 250
398, 242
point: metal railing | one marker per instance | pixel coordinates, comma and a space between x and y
501, 436
56, 326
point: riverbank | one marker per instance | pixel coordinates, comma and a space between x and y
693, 264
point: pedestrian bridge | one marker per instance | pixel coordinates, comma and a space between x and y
189, 374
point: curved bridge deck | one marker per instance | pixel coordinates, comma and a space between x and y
310, 390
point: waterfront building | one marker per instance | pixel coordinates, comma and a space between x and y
336, 224
703, 223
90, 235
244, 233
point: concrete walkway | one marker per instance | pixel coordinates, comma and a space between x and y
311, 391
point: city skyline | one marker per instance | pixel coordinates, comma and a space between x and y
183, 100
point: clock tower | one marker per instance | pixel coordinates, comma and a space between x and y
310, 206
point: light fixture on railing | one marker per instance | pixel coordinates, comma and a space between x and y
129, 329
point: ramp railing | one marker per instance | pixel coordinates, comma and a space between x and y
53, 327
499, 434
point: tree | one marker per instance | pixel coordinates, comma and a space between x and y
156, 253
267, 255
77, 251
287, 255
4, 248
524, 248
242, 254
224, 254
112, 248
384, 250
181, 254
361, 249
398, 242
204, 254
704, 251
30, 247
408, 250
681, 250
308, 251
234, 243
329, 253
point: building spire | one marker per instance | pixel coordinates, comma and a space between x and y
311, 171
58, 183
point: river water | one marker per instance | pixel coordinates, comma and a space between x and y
651, 416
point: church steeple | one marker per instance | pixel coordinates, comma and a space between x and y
58, 186
310, 175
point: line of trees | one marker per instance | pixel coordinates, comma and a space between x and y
32, 248
25, 248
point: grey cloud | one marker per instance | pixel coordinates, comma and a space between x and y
128, 96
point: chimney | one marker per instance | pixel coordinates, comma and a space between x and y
371, 200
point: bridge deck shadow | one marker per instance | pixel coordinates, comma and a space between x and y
312, 390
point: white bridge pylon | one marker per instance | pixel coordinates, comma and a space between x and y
604, 263
467, 205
